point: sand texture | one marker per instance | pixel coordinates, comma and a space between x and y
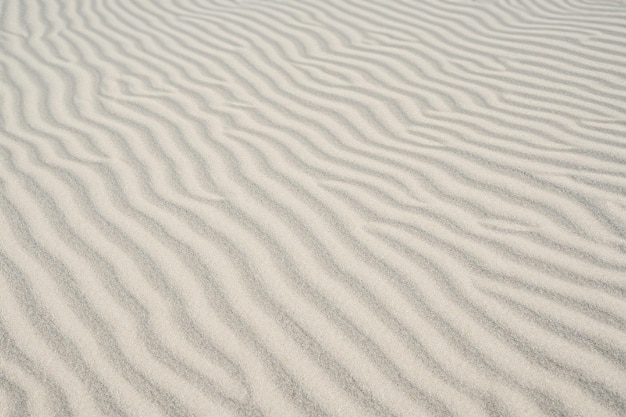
292, 208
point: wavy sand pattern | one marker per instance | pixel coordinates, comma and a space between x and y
312, 208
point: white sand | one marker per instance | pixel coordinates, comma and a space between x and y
312, 208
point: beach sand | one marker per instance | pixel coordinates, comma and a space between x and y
342, 208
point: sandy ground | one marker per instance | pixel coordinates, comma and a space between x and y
312, 208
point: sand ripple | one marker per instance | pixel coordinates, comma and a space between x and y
312, 208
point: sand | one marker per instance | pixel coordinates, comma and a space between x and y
312, 208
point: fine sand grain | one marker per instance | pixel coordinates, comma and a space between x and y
342, 208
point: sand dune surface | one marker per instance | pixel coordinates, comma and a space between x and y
346, 208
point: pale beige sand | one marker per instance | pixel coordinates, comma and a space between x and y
312, 208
